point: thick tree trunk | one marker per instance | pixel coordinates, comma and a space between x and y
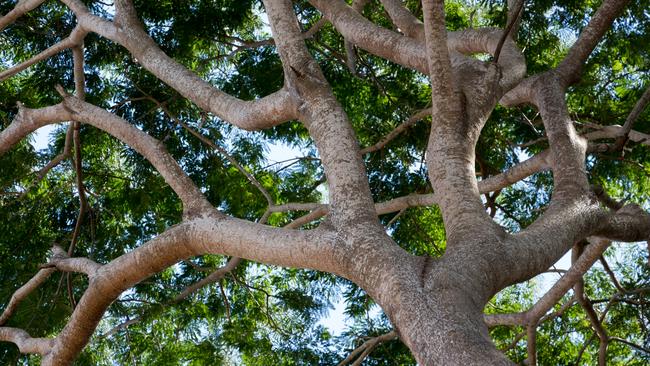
436, 308
444, 327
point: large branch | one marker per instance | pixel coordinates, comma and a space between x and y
455, 127
29, 120
570, 69
573, 213
417, 116
327, 122
377, 40
364, 249
410, 52
572, 223
208, 234
250, 115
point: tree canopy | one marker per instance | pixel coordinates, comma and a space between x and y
470, 145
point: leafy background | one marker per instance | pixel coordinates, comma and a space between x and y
265, 315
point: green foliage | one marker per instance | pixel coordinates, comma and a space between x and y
262, 315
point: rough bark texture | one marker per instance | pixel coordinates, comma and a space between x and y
436, 306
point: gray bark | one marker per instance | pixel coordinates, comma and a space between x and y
435, 305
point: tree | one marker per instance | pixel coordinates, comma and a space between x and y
152, 181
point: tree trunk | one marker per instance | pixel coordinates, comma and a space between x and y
444, 327
438, 313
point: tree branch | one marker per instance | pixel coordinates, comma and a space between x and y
62, 261
570, 68
21, 8
556, 292
328, 124
147, 146
212, 234
410, 52
249, 115
413, 119
17, 297
579, 291
512, 19
210, 279
366, 347
408, 23
25, 343
631, 118
531, 344
74, 39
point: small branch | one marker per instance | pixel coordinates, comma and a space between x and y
270, 201
63, 262
492, 320
605, 199
413, 119
395, 218
589, 256
80, 84
571, 66
66, 153
614, 131
364, 349
514, 15
121, 326
75, 38
303, 220
311, 32
611, 274
511, 23
584, 302
297, 207
212, 278
514, 342
631, 118
633, 345
24, 291
152, 149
